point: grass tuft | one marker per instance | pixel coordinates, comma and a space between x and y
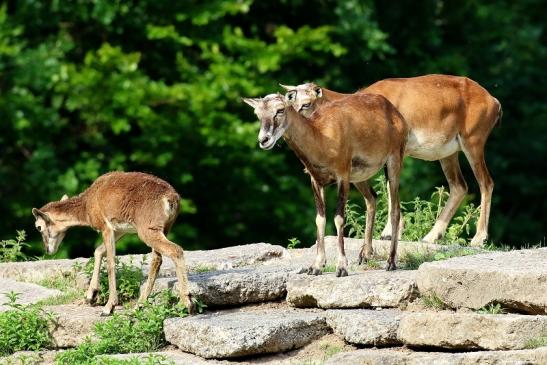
413, 260
534, 343
492, 309
433, 301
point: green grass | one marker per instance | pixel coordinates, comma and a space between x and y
413, 260
128, 280
204, 268
373, 264
134, 330
433, 301
23, 327
151, 359
329, 268
419, 215
11, 250
541, 341
67, 285
492, 309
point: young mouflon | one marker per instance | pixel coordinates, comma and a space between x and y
346, 143
116, 204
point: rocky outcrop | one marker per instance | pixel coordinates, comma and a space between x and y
26, 293
235, 286
365, 326
401, 357
376, 288
73, 323
228, 335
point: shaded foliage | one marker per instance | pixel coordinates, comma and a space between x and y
92, 86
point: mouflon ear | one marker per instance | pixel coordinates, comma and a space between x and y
64, 197
318, 91
37, 213
290, 96
287, 87
252, 102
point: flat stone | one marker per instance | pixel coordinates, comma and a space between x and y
73, 323
516, 279
381, 249
28, 293
402, 357
35, 271
218, 259
365, 326
235, 286
41, 357
374, 288
471, 330
236, 334
171, 357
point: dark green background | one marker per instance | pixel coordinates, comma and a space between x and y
92, 86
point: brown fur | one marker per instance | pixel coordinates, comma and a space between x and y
346, 141
444, 114
118, 203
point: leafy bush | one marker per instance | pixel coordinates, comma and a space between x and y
11, 250
128, 280
419, 215
135, 330
23, 327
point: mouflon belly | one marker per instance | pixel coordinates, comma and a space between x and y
363, 169
431, 146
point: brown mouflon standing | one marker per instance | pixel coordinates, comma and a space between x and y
445, 114
348, 141
118, 203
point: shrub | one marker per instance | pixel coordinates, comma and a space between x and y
23, 327
419, 215
128, 280
135, 330
11, 250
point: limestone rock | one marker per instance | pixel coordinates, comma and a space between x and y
235, 286
515, 279
471, 330
28, 293
365, 326
397, 357
375, 288
73, 323
234, 334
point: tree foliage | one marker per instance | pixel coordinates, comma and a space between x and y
92, 86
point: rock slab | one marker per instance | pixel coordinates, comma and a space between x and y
471, 330
395, 357
235, 286
375, 288
229, 335
73, 323
516, 279
27, 293
365, 326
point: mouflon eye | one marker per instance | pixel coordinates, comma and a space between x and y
280, 111
39, 228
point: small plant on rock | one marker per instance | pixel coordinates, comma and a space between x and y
492, 309
534, 343
293, 243
433, 301
23, 327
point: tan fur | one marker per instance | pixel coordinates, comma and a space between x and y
445, 114
344, 142
118, 203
